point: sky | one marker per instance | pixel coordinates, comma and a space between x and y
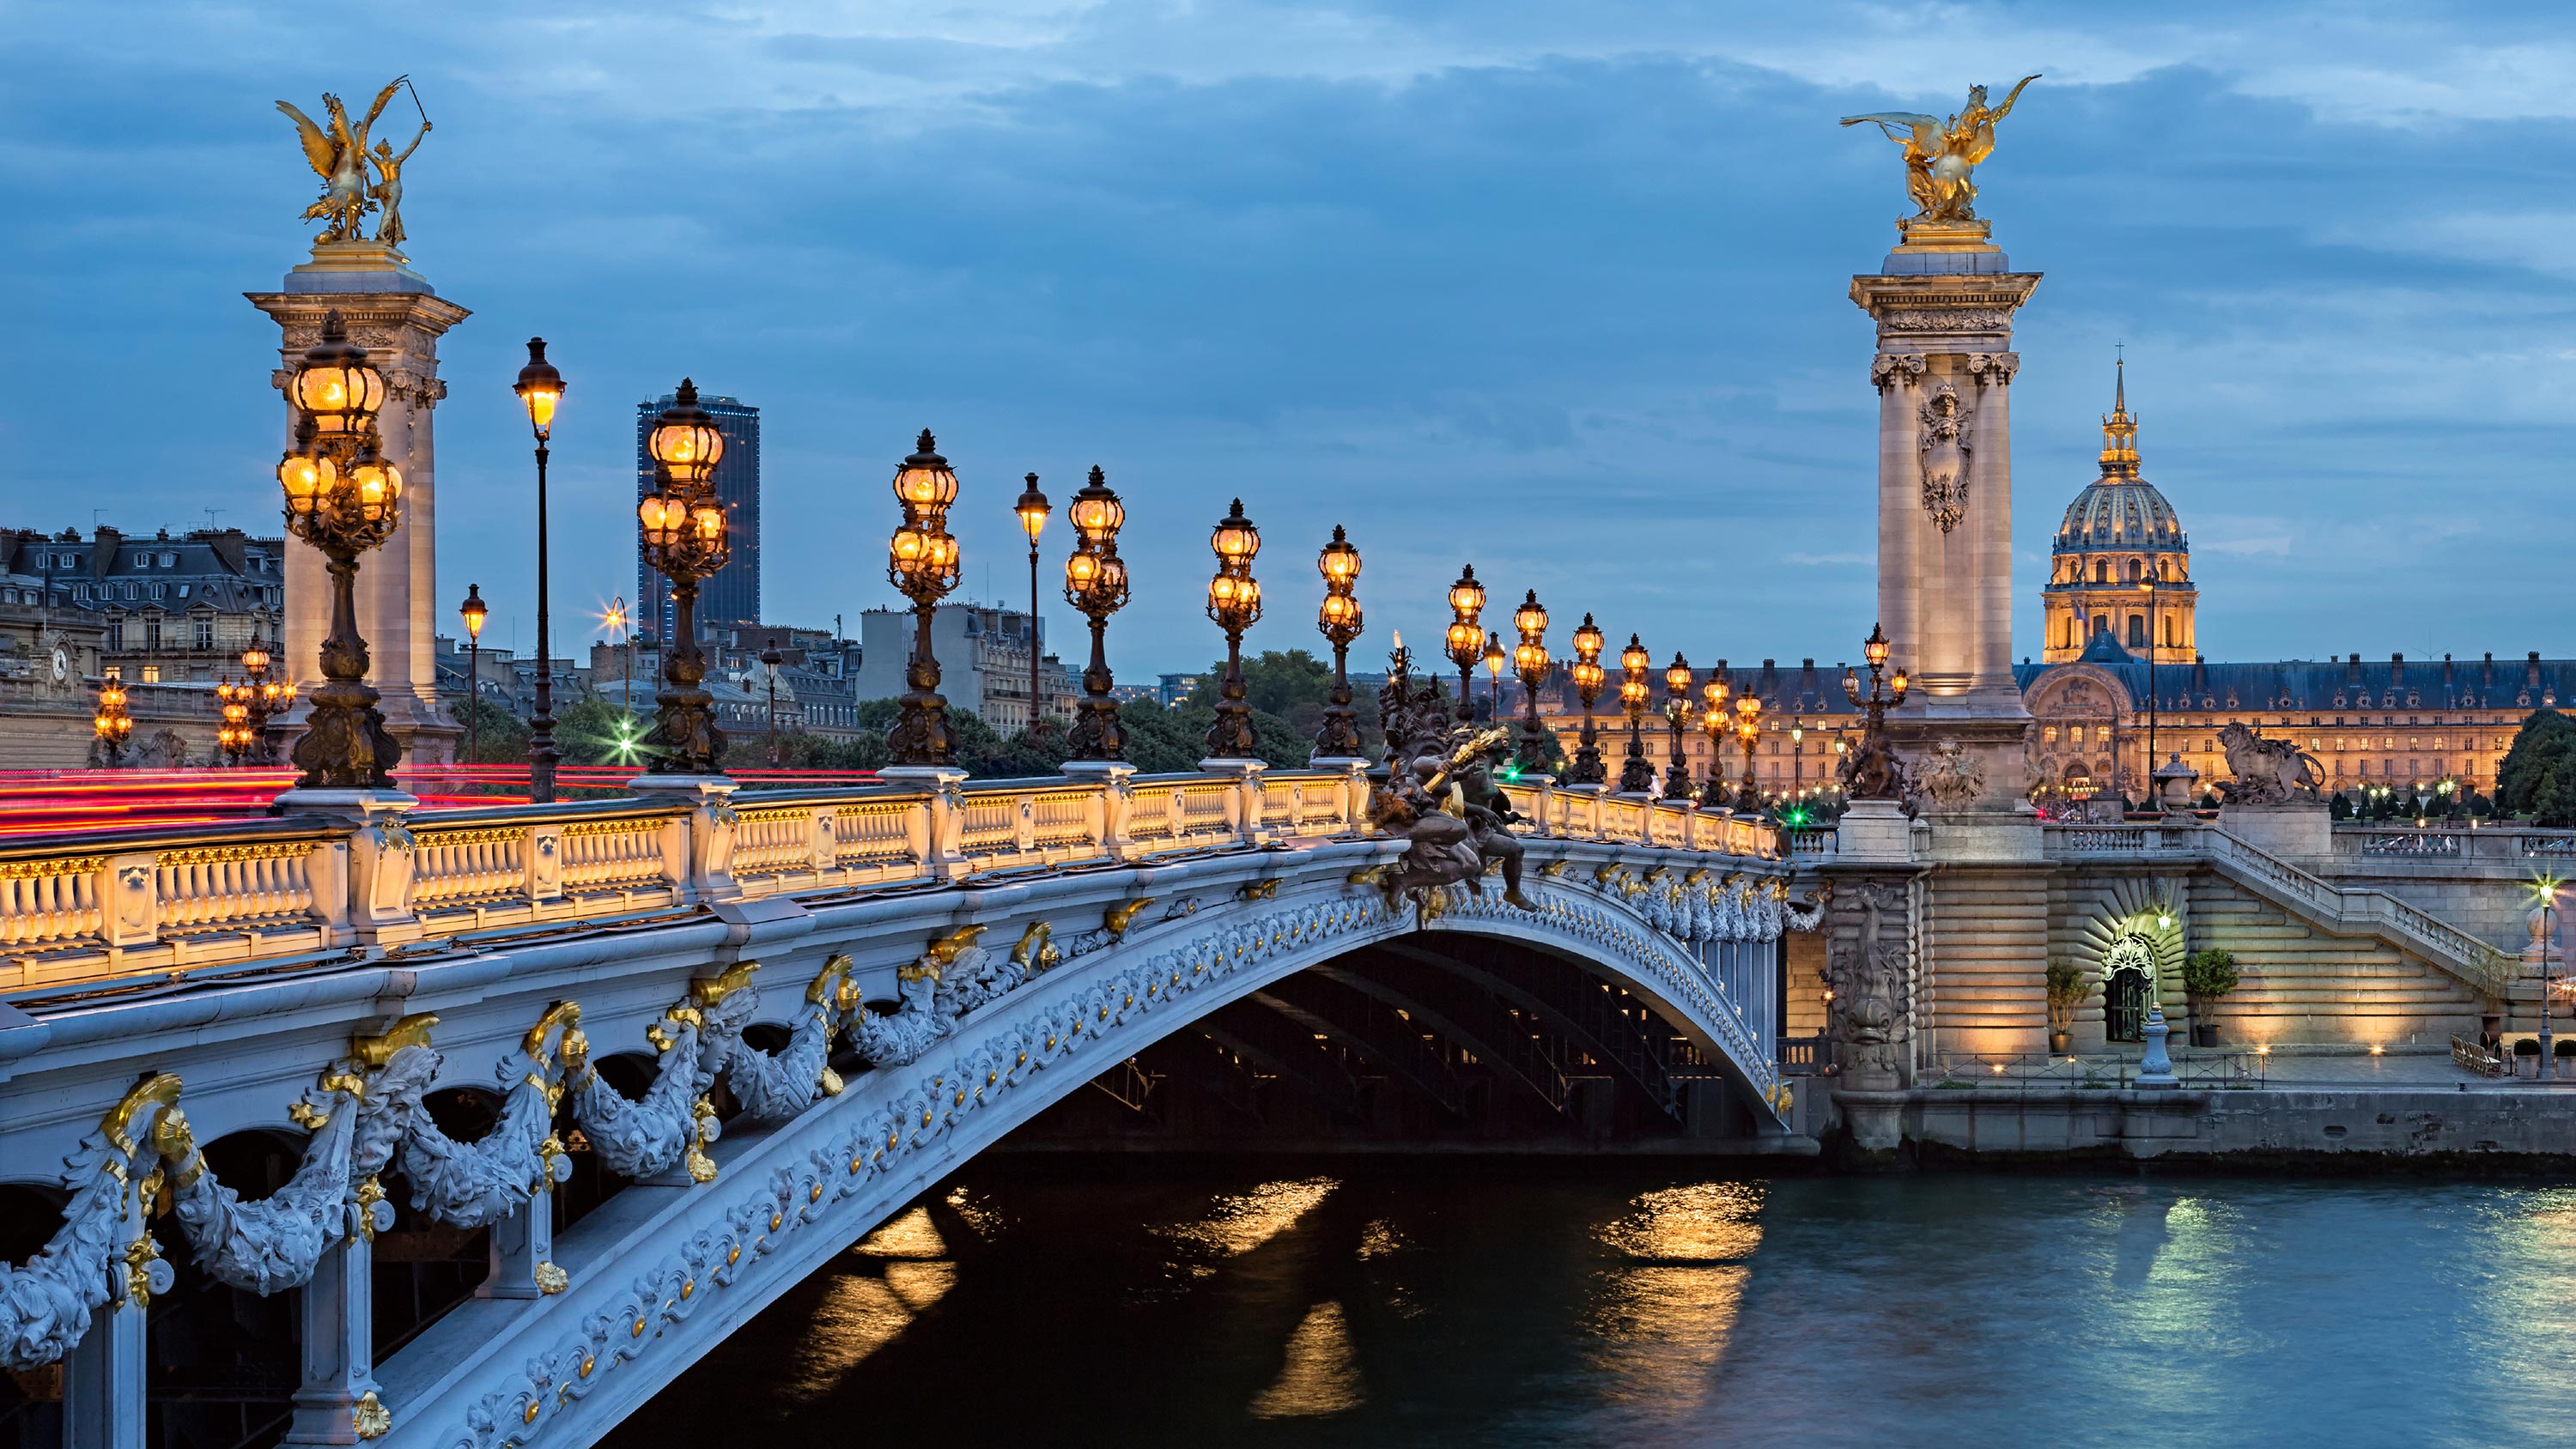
1559, 290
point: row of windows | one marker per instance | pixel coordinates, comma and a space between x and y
2132, 571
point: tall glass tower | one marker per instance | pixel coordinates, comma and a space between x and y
733, 595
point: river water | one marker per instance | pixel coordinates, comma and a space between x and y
1599, 1303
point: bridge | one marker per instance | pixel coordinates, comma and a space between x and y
607, 1077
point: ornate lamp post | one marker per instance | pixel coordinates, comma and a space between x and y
269, 700
344, 499
1748, 733
1095, 582
1531, 662
1494, 661
685, 542
1588, 679
112, 724
540, 388
472, 611
921, 560
1032, 507
233, 736
1234, 603
1872, 772
1466, 639
1339, 622
1677, 703
1636, 772
1714, 795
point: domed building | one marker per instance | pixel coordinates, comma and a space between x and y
2121, 564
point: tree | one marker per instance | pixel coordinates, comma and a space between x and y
2340, 807
2545, 746
499, 737
589, 732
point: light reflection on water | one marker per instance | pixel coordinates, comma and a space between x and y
1603, 1305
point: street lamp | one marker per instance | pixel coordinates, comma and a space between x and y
112, 724
540, 389
1677, 703
621, 632
1748, 731
1339, 621
1466, 638
921, 560
1095, 582
1714, 795
343, 498
2546, 889
1588, 679
1531, 662
1636, 772
770, 659
1494, 660
472, 612
685, 542
248, 706
1032, 508
1234, 603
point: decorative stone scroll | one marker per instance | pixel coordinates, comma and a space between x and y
1887, 369
1994, 368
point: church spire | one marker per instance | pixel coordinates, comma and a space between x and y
2119, 430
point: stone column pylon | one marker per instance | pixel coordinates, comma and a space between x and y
392, 313
1944, 367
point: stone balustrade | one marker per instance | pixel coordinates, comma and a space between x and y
129, 904
1593, 814
2509, 845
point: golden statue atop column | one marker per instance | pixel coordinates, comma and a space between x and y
396, 315
1941, 157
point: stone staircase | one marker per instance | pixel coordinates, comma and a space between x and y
2299, 984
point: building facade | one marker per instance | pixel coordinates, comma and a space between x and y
170, 610
983, 654
732, 596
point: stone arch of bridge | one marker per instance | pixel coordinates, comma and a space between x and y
689, 1263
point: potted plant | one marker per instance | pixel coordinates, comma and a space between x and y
2207, 976
2065, 992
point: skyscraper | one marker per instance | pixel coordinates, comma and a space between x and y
733, 595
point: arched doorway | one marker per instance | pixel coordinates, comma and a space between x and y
2128, 984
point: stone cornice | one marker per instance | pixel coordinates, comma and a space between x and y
430, 314
1879, 295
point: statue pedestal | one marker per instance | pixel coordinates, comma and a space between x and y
2300, 830
1874, 832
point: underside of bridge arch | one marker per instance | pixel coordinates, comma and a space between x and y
1432, 1041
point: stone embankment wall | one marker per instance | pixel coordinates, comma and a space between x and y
2350, 1128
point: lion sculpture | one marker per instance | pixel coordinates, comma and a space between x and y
2268, 772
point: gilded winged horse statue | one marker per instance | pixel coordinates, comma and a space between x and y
338, 152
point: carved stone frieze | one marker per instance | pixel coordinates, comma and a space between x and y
1946, 319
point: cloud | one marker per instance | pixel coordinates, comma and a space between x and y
1559, 291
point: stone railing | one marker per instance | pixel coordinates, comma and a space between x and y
2506, 845
128, 904
1591, 814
